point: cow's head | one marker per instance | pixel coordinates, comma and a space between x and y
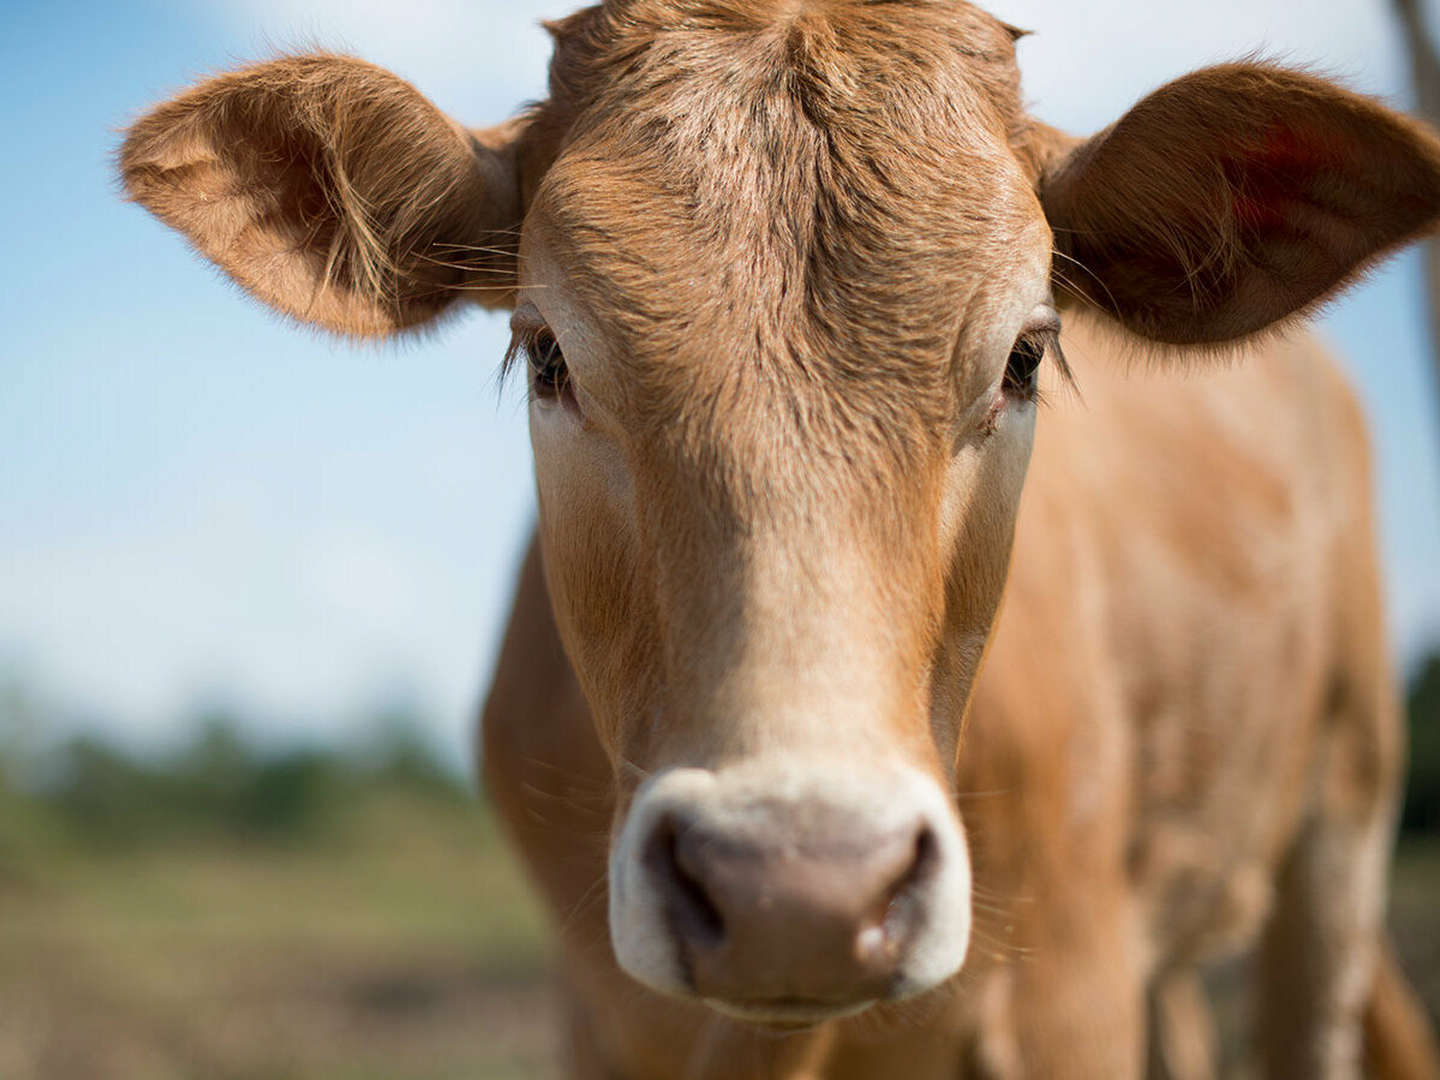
785, 277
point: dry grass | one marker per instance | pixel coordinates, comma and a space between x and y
405, 948
413, 953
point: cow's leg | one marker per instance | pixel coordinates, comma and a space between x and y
1079, 1007
1319, 953
1399, 1044
583, 1059
1182, 1031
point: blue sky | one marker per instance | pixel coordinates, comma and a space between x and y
200, 504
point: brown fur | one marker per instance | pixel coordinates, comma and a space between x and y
332, 190
786, 246
1247, 189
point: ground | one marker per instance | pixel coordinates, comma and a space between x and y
408, 949
403, 947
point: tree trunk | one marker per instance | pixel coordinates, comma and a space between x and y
1425, 66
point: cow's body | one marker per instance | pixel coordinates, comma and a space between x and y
1188, 686
787, 277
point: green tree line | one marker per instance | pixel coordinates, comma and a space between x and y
1422, 792
219, 783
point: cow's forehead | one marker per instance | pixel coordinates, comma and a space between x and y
823, 184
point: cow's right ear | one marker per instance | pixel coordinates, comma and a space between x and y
1234, 199
333, 191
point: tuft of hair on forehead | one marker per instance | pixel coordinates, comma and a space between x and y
809, 183
606, 44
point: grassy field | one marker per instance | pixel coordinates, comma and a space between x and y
402, 946
399, 944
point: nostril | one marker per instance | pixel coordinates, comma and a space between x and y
926, 863
904, 909
693, 916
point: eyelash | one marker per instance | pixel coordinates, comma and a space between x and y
548, 375
1021, 378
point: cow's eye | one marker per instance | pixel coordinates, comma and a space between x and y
549, 377
1022, 371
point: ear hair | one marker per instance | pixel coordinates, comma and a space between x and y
1231, 201
332, 190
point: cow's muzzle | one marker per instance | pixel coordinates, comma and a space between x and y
790, 895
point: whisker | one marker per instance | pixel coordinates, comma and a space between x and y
1114, 303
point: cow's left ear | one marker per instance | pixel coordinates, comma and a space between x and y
1234, 198
333, 191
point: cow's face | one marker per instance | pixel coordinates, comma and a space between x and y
784, 294
783, 287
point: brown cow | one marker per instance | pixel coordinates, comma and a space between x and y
787, 277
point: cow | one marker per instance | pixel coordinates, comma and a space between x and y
835, 747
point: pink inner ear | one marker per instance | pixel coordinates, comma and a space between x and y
1270, 179
1289, 148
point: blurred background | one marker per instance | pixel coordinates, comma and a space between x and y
252, 581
